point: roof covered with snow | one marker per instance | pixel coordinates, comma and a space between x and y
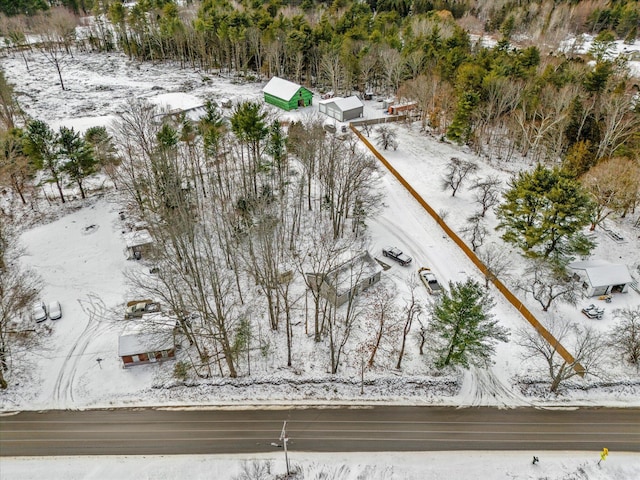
149, 336
344, 104
137, 238
281, 88
353, 271
143, 343
602, 273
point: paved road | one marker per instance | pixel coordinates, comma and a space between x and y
147, 431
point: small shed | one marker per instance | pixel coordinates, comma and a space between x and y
401, 108
347, 280
342, 109
138, 243
600, 278
139, 348
286, 95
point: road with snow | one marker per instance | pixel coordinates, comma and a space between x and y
361, 429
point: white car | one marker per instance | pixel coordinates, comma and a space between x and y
430, 281
55, 310
39, 312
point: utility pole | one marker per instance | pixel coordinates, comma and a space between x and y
284, 439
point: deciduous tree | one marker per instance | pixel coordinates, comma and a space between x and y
457, 171
625, 336
586, 345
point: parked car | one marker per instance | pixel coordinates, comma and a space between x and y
39, 312
592, 311
55, 310
397, 255
430, 281
137, 308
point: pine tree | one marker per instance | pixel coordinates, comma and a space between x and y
80, 162
41, 145
543, 213
463, 329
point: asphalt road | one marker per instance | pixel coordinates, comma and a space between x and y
148, 431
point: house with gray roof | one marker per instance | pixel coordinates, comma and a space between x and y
599, 277
342, 109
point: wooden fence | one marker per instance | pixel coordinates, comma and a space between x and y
524, 311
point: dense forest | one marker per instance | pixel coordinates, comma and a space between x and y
210, 189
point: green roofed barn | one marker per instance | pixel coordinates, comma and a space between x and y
286, 95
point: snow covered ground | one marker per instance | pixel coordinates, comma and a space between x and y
80, 255
337, 466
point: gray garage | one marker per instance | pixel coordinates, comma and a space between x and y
342, 109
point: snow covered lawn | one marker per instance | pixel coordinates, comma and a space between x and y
81, 259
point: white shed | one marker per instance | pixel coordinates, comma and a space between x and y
600, 278
342, 109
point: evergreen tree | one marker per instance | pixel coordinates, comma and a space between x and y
463, 329
460, 129
80, 162
543, 213
41, 146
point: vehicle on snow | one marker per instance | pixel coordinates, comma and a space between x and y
430, 281
396, 254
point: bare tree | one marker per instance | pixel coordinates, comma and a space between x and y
422, 335
386, 137
346, 177
587, 346
19, 288
457, 171
393, 66
548, 281
475, 231
625, 336
621, 122
487, 192
614, 185
57, 32
382, 316
497, 263
412, 308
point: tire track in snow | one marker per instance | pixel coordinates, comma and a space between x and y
63, 388
482, 387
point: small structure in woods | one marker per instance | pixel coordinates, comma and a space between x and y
286, 95
401, 108
347, 280
138, 243
342, 109
599, 277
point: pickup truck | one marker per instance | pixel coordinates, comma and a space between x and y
137, 308
397, 255
430, 281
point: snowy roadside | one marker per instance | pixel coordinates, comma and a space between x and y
379, 466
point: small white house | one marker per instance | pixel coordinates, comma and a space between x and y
342, 109
600, 278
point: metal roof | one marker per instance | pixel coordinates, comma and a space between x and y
601, 273
344, 104
281, 88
